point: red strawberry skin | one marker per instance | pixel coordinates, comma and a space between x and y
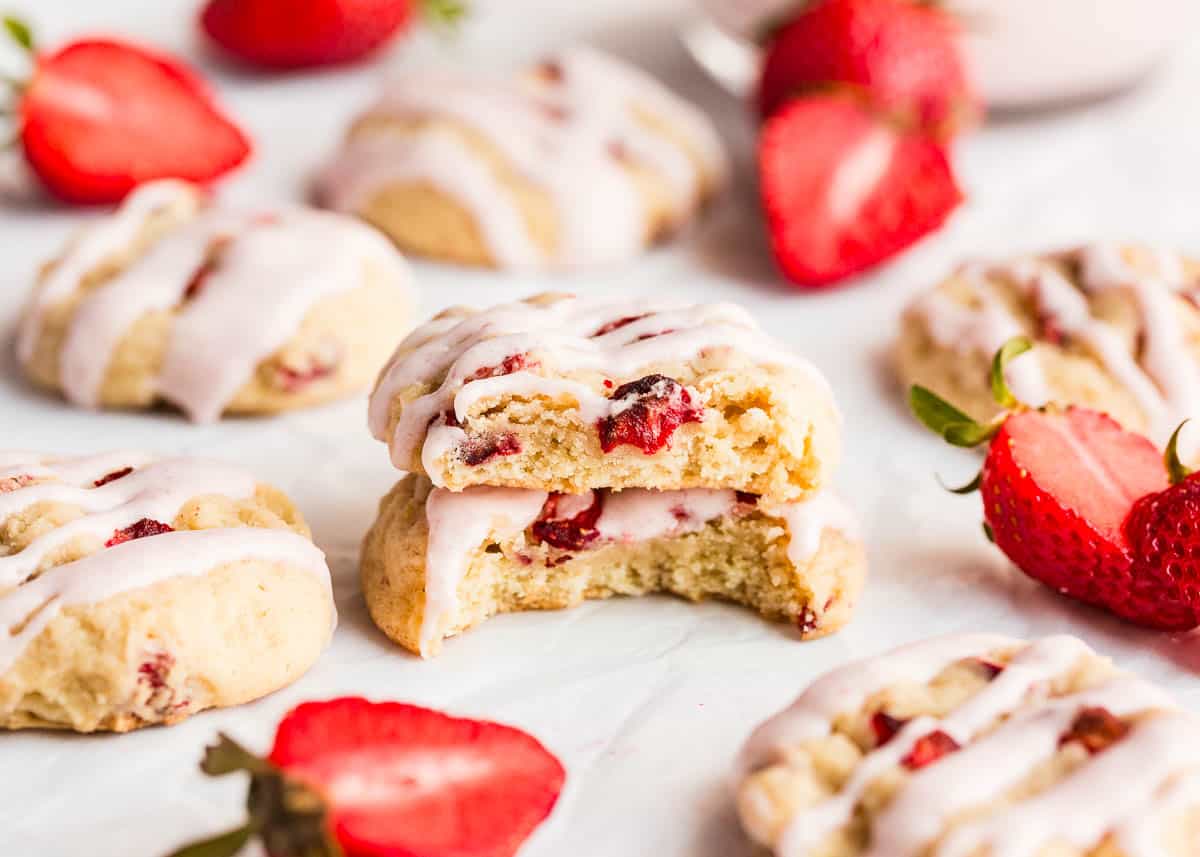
1057, 488
286, 34
1163, 531
100, 117
903, 57
406, 781
844, 192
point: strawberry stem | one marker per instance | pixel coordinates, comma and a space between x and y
444, 14
1176, 469
222, 845
1015, 347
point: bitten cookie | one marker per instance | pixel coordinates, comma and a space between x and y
578, 160
214, 311
436, 562
976, 746
1116, 329
136, 590
566, 394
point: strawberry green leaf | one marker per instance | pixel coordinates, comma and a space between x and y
224, 845
1176, 469
970, 488
970, 434
1015, 347
19, 32
444, 13
987, 531
227, 757
934, 411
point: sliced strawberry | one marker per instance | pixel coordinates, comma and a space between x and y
284, 34
1057, 487
844, 191
1163, 532
902, 57
100, 117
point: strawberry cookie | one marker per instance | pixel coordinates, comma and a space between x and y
437, 562
577, 160
1115, 328
213, 311
565, 394
137, 590
975, 745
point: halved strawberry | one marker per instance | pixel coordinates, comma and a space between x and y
844, 191
285, 34
98, 117
363, 779
1082, 505
902, 57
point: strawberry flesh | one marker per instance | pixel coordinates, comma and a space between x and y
844, 192
112, 477
284, 34
141, 529
405, 780
617, 324
100, 117
1057, 487
928, 749
483, 448
570, 531
885, 727
648, 411
1096, 729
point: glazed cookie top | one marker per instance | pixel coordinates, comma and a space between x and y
238, 282
551, 345
77, 531
1133, 309
1031, 700
569, 124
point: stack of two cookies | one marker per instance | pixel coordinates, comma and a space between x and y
564, 448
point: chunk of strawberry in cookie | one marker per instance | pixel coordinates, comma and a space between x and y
142, 529
646, 413
568, 521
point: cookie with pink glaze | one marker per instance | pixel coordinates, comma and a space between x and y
436, 562
568, 394
213, 311
137, 590
975, 746
577, 160
1116, 328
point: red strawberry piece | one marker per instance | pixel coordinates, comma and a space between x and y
510, 364
387, 779
1096, 729
1057, 487
481, 449
284, 34
112, 477
885, 727
928, 749
142, 529
902, 57
1163, 533
154, 671
99, 117
844, 191
568, 521
989, 669
646, 414
617, 324
212, 261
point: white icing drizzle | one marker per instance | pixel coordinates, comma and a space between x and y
564, 126
1166, 384
449, 353
270, 271
459, 522
1141, 835
155, 489
1116, 786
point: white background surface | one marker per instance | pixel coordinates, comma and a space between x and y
645, 701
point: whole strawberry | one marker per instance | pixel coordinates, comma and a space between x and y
1082, 505
352, 778
902, 57
294, 34
98, 117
